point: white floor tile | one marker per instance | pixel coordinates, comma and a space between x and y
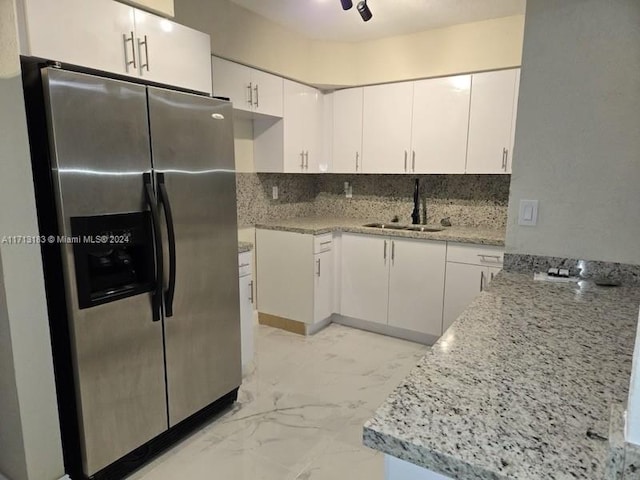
299, 415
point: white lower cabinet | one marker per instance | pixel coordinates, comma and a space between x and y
294, 275
246, 310
416, 285
323, 285
470, 269
392, 281
365, 277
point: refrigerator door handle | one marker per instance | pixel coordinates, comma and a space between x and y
166, 207
157, 295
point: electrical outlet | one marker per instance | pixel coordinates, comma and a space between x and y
274, 192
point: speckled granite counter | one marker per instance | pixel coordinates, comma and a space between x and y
319, 225
520, 386
244, 247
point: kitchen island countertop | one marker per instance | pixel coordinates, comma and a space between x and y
320, 225
521, 386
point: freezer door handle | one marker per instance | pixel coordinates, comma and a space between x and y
171, 234
157, 238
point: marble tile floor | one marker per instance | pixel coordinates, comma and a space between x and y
299, 415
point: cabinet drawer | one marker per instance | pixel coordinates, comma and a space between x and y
244, 264
475, 254
322, 243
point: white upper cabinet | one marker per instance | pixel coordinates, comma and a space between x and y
107, 35
249, 89
172, 53
94, 34
303, 129
233, 81
440, 125
493, 100
347, 130
267, 93
387, 128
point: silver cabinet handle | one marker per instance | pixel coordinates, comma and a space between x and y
146, 52
255, 89
492, 276
505, 155
484, 257
405, 160
385, 250
250, 87
481, 281
306, 154
251, 291
393, 250
302, 160
318, 272
357, 158
133, 51
413, 161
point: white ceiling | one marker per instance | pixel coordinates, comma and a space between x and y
325, 19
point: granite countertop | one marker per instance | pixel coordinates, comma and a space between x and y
513, 387
320, 225
245, 247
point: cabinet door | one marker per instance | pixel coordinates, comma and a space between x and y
246, 320
440, 125
267, 93
462, 283
323, 286
416, 285
232, 80
365, 277
302, 122
173, 54
97, 34
347, 130
490, 122
387, 128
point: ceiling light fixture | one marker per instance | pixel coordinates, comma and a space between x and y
364, 11
346, 4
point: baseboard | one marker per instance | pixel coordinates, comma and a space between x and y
388, 330
293, 326
282, 323
316, 327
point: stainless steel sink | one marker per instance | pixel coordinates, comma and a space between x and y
411, 228
423, 228
388, 226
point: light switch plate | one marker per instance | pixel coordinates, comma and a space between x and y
528, 215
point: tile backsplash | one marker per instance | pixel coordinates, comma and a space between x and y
469, 200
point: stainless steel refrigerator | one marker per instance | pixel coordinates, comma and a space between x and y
145, 198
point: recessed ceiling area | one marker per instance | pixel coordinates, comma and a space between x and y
325, 19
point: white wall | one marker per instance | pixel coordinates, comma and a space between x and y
161, 7
30, 446
243, 36
578, 131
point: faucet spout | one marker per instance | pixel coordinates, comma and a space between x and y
415, 215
